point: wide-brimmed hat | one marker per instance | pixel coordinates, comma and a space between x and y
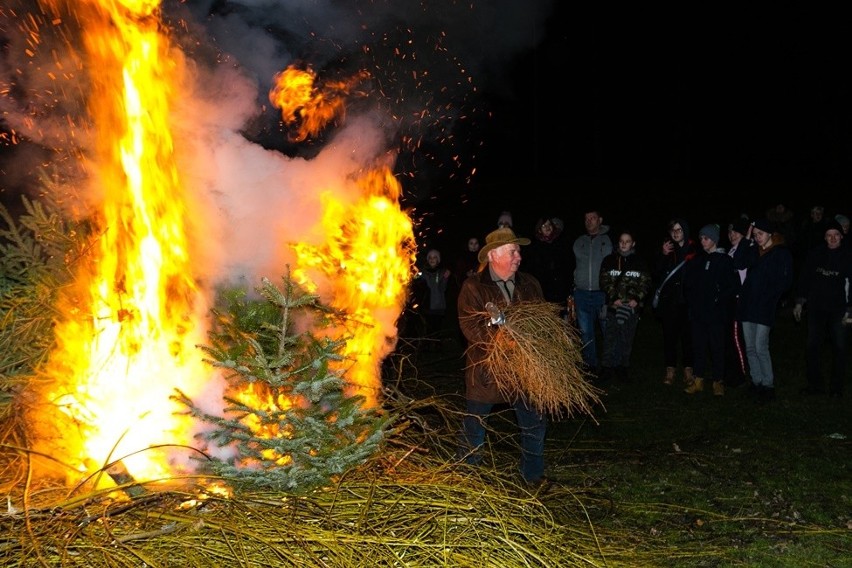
498, 238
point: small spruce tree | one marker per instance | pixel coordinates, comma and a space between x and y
307, 431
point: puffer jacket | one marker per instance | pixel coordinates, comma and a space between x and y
477, 291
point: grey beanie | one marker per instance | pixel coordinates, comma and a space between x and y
711, 232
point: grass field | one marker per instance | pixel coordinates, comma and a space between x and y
725, 480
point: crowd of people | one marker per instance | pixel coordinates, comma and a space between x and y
716, 302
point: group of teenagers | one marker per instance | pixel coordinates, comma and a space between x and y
716, 305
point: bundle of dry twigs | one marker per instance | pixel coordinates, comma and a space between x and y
538, 354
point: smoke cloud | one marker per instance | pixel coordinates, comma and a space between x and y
254, 190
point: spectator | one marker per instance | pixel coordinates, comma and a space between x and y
784, 221
736, 361
504, 220
709, 282
812, 233
467, 263
435, 277
676, 251
823, 287
589, 300
770, 274
843, 220
626, 280
499, 283
547, 258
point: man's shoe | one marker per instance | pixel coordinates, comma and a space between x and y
835, 394
811, 391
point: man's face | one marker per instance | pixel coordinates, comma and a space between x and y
707, 243
833, 238
593, 222
625, 243
506, 258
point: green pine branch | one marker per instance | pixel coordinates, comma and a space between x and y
314, 431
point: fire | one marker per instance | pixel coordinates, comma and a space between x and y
308, 108
133, 340
368, 258
137, 314
369, 253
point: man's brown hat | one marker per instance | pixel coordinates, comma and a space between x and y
498, 238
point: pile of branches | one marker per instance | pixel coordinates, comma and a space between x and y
537, 353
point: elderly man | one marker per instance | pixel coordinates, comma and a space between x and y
500, 284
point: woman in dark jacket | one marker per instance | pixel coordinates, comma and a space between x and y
671, 311
770, 275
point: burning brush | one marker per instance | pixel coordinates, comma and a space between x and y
539, 354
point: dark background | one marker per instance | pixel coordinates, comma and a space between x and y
702, 114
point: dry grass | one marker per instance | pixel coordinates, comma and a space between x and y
411, 506
538, 354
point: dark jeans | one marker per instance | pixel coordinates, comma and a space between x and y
709, 337
677, 332
820, 323
588, 304
532, 424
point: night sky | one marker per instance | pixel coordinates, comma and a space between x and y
653, 115
698, 112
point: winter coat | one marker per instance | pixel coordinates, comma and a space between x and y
477, 291
709, 283
589, 252
824, 279
625, 277
551, 263
671, 295
770, 274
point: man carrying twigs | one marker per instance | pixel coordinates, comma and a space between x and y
520, 352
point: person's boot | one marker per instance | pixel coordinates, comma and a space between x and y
688, 377
718, 388
697, 385
669, 378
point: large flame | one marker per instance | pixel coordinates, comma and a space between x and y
368, 258
131, 339
136, 315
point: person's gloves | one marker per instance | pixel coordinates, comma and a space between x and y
797, 312
497, 316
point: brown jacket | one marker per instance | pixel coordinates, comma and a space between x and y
477, 291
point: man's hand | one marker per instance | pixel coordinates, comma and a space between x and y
797, 312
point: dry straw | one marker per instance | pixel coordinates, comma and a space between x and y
538, 354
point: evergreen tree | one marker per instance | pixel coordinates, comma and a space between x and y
298, 430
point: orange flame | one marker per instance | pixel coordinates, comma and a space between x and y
134, 339
306, 107
368, 258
